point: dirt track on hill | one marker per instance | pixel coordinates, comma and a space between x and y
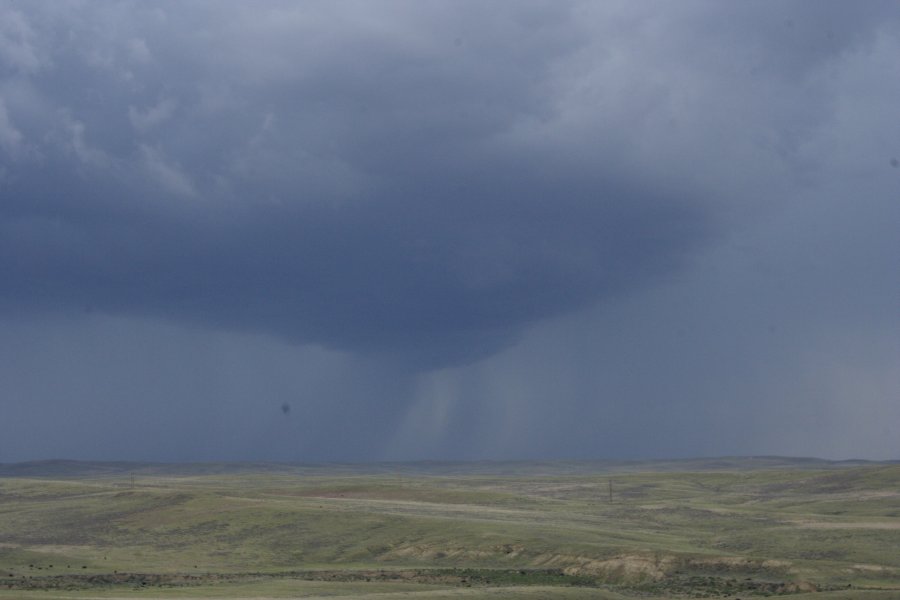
883, 525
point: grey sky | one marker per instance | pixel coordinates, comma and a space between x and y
449, 229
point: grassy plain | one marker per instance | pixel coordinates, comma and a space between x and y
733, 528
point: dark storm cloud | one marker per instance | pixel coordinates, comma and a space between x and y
332, 177
448, 229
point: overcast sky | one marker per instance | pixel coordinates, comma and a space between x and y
352, 231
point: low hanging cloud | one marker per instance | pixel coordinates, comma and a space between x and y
423, 181
361, 189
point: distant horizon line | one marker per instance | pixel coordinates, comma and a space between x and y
447, 461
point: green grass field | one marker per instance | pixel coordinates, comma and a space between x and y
729, 528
